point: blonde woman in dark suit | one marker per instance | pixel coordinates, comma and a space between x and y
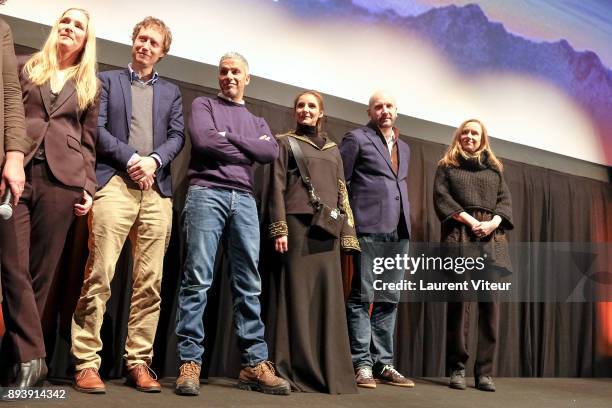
59, 87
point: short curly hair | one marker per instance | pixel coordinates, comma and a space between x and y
160, 25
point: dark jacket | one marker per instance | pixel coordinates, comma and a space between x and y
12, 128
290, 196
377, 195
69, 133
113, 149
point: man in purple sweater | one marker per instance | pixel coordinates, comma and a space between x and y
227, 140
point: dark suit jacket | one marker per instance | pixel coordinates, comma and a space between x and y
114, 127
377, 195
68, 132
12, 127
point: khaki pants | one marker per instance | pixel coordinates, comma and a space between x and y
120, 210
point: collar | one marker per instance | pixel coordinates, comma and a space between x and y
375, 128
134, 77
328, 143
478, 162
305, 130
220, 95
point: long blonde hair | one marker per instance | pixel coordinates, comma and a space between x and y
451, 157
41, 66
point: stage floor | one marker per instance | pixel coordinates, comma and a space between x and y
429, 392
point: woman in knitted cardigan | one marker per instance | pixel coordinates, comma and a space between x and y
473, 203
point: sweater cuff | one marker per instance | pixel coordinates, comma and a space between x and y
90, 188
278, 229
25, 145
452, 214
350, 243
506, 221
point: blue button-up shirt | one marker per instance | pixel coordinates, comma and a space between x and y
134, 77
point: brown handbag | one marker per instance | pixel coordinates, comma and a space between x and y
325, 218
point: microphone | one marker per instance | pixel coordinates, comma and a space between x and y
6, 209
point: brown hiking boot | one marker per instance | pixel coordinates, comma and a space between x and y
263, 378
485, 383
139, 376
188, 381
88, 380
389, 375
457, 379
364, 378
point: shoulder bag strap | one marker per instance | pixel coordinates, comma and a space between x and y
300, 160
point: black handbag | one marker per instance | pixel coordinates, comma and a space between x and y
325, 218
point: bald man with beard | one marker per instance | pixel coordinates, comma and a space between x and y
376, 172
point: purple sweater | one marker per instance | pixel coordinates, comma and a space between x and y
227, 161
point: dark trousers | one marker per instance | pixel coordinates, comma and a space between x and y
457, 325
32, 242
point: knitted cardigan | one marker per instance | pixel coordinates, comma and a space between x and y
479, 189
475, 185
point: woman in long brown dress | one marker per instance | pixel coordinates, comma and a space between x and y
311, 337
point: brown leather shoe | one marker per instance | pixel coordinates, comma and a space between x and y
188, 381
88, 380
139, 376
263, 378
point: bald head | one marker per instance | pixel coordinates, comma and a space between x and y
380, 94
382, 110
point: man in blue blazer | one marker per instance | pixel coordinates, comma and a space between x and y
140, 132
376, 170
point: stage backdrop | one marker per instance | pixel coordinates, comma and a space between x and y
538, 72
536, 339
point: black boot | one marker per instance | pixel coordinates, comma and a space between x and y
8, 373
31, 373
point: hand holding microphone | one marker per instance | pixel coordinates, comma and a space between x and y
6, 209
13, 177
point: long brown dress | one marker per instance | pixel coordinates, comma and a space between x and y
311, 346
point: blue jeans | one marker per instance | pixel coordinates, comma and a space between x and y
371, 337
208, 214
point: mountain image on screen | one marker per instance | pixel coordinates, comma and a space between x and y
474, 44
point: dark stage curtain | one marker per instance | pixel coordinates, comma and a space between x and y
536, 339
